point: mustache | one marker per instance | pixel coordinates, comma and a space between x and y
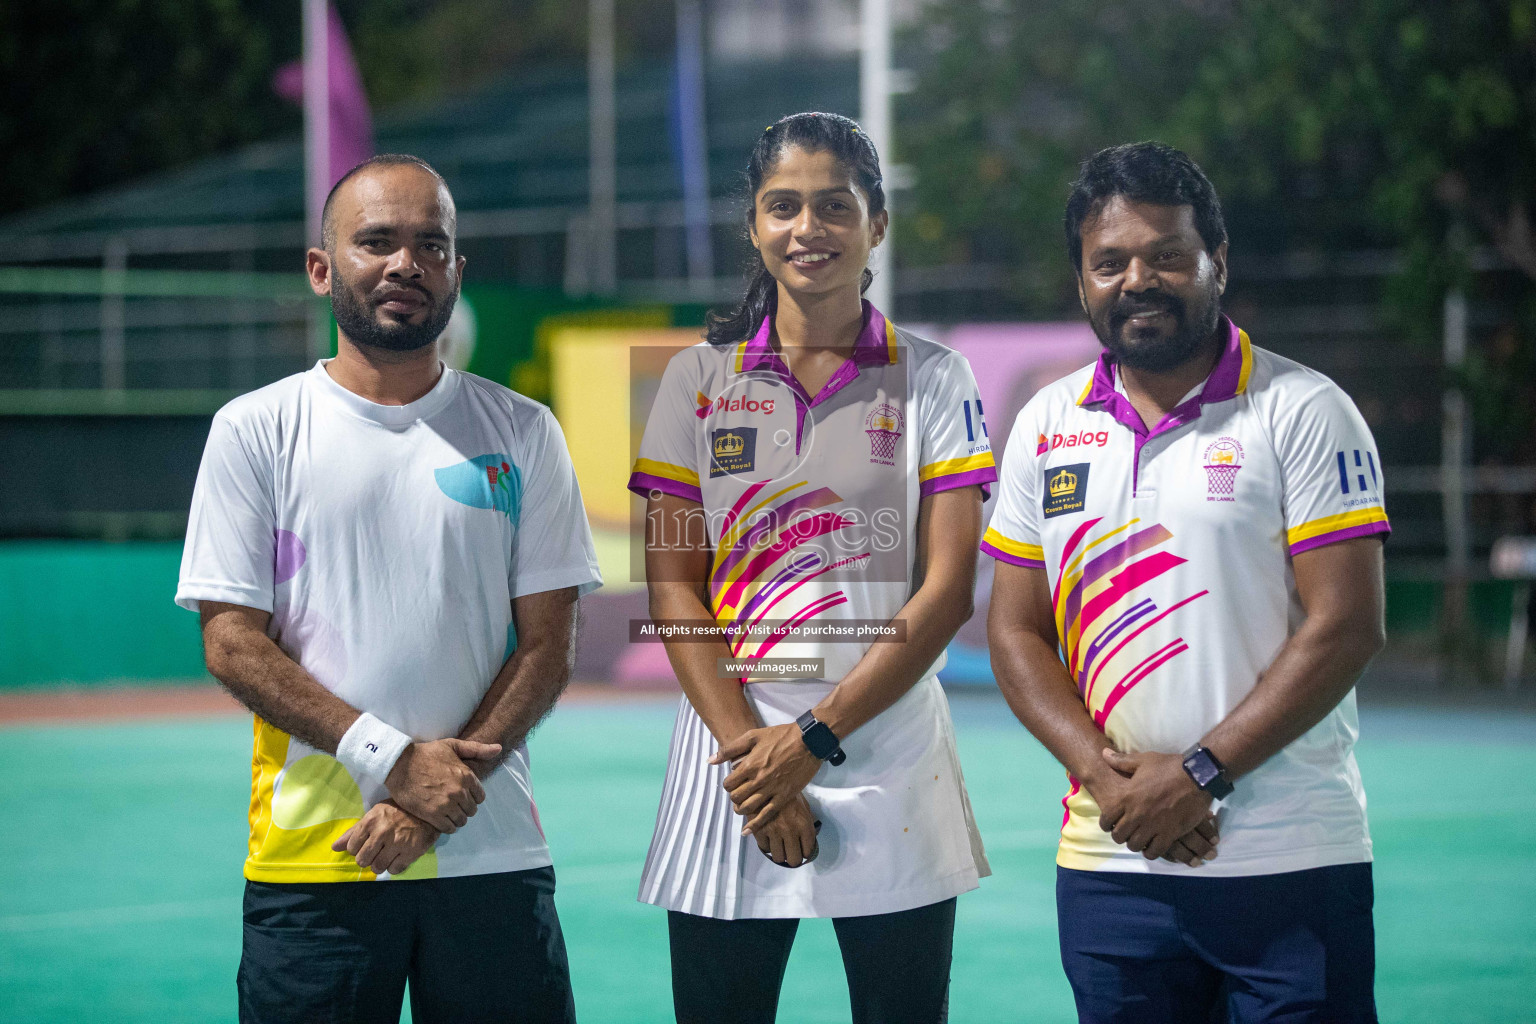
379, 293
1146, 302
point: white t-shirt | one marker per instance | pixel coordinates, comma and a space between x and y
812, 505
1169, 559
388, 543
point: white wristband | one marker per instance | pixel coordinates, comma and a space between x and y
370, 748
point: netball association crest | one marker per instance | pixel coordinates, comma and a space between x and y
883, 425
1223, 459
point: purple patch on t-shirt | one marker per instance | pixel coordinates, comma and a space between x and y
290, 557
310, 639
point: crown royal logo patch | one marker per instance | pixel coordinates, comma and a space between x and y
732, 450
1066, 490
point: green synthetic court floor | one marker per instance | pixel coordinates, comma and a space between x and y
120, 871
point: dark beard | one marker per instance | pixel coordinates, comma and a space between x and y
1192, 332
359, 321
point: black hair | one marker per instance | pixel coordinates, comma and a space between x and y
1146, 172
817, 133
328, 230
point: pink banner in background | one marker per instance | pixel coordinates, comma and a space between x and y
1013, 361
351, 124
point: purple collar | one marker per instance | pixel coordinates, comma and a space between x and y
1228, 379
876, 346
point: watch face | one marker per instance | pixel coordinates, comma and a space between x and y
1200, 768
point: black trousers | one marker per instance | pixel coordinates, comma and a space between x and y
475, 948
731, 971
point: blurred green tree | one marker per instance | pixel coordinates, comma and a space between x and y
1327, 126
1387, 119
98, 91
101, 91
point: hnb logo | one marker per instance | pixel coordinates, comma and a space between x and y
1353, 466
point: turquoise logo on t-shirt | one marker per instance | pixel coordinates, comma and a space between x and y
485, 481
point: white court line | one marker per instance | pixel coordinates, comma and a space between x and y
112, 917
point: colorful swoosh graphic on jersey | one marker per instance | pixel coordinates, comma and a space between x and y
760, 567
1099, 616
485, 481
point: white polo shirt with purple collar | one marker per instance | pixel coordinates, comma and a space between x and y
812, 506
1168, 554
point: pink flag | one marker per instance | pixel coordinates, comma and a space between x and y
351, 126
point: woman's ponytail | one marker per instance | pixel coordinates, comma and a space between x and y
742, 323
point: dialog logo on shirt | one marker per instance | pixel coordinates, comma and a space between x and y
1223, 459
1088, 438
732, 450
1066, 490
725, 403
883, 425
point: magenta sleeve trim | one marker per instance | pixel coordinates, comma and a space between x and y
644, 483
1003, 556
970, 478
1364, 530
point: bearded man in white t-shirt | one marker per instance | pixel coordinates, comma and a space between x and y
1189, 579
387, 556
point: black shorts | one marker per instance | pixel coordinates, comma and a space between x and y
477, 947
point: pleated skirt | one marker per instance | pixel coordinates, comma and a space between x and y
897, 827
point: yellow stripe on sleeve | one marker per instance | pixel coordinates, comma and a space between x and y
1008, 546
1332, 524
666, 470
949, 467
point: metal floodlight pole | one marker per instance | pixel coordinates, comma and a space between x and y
114, 282
693, 130
875, 115
317, 148
602, 172
1455, 445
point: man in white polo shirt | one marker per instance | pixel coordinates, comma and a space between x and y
1189, 581
387, 556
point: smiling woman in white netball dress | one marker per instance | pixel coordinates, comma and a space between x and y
812, 466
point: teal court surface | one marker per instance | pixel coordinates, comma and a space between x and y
120, 873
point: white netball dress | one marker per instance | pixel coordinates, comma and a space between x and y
812, 507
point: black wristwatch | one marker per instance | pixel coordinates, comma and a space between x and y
820, 740
1202, 766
